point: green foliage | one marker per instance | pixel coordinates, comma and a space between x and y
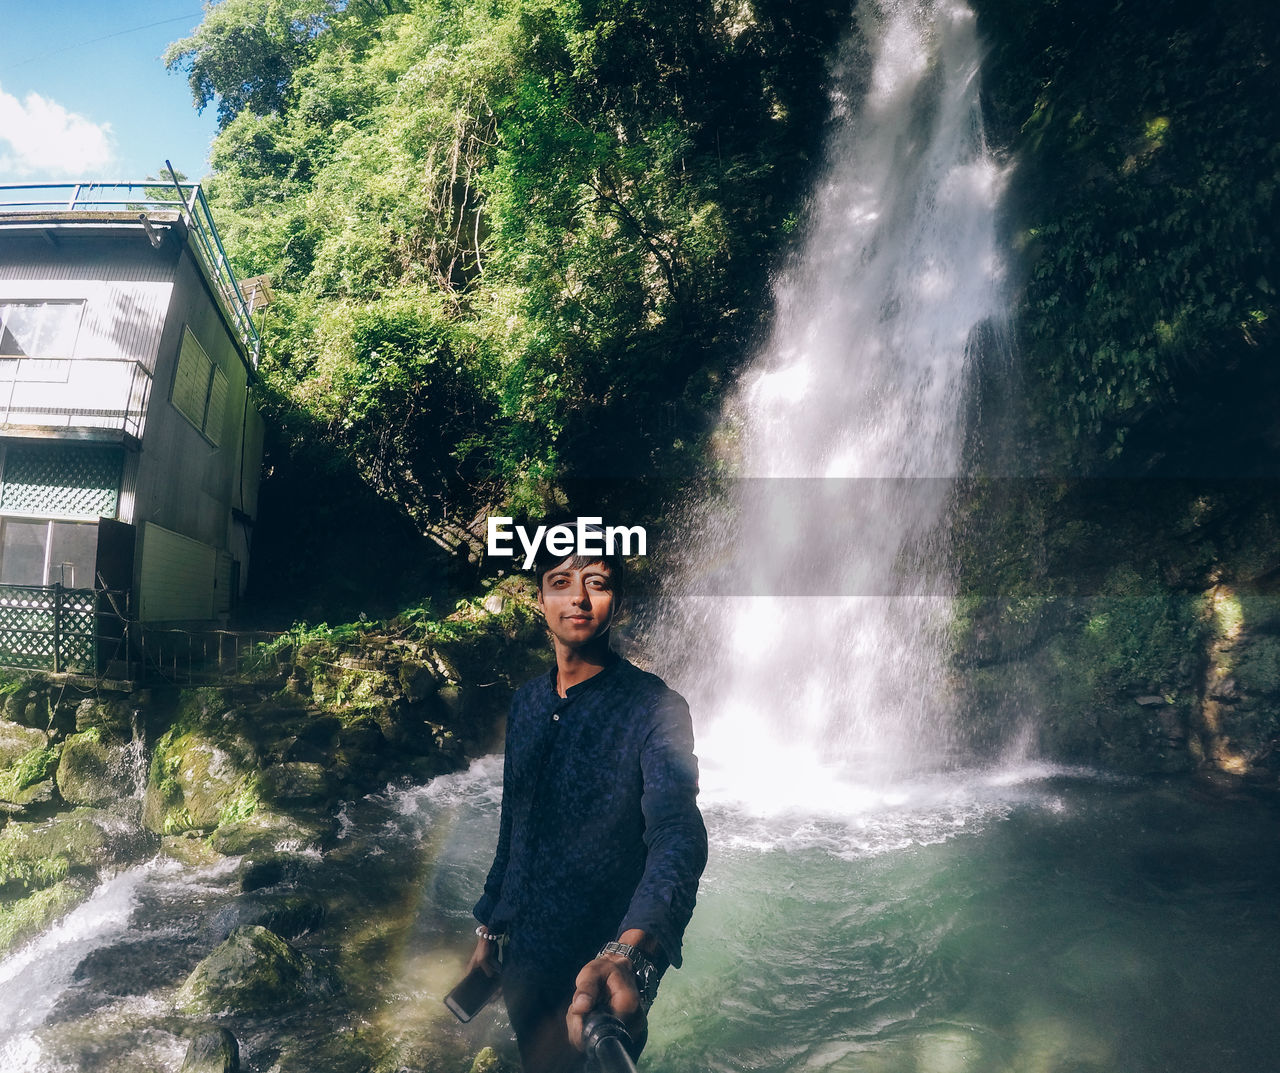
1143, 201
244, 52
513, 244
1139, 636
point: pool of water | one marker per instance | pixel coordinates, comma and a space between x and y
1024, 919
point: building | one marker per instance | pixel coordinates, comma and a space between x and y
130, 448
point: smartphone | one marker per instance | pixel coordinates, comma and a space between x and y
472, 994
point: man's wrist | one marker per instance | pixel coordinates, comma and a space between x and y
643, 967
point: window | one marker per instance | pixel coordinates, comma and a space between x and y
39, 329
48, 552
199, 388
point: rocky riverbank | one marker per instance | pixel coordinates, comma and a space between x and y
254, 774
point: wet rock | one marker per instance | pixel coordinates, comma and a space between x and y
38, 855
17, 741
31, 802
113, 716
196, 783
1151, 701
320, 731
486, 1061
130, 967
417, 681
296, 782
253, 971
91, 772
267, 832
24, 917
288, 915
215, 1050
274, 870
189, 848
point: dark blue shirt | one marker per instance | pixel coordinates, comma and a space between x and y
600, 828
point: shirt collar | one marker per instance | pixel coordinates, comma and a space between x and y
606, 672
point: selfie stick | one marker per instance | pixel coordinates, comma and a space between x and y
606, 1042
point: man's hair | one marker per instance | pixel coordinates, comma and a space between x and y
546, 560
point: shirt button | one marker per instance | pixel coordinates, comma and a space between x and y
556, 717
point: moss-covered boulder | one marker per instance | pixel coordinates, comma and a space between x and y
288, 915
34, 856
296, 783
16, 741
111, 715
198, 781
93, 771
27, 786
268, 831
21, 918
253, 971
214, 1050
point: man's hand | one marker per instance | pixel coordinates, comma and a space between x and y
608, 982
486, 956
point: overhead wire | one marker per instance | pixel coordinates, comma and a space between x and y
104, 37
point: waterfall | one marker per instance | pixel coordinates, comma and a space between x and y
808, 619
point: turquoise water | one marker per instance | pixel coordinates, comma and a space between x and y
1080, 925
1029, 920
1022, 920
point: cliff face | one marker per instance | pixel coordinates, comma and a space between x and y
1117, 546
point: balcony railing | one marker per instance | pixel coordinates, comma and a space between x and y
186, 199
109, 393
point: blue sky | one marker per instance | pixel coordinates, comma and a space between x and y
84, 93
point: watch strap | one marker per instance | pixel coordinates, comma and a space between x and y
646, 971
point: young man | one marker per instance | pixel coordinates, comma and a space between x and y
601, 843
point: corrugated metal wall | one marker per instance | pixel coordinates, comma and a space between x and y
176, 582
200, 503
122, 319
125, 257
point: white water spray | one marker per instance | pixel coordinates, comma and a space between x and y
822, 651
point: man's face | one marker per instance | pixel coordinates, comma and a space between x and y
578, 603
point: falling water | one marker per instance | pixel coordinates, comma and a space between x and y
825, 634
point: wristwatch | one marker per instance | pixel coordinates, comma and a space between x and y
647, 973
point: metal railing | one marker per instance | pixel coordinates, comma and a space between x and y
92, 632
186, 199
74, 393
194, 656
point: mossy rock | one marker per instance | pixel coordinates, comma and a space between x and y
253, 972
34, 856
22, 918
114, 717
288, 915
93, 772
17, 741
27, 787
196, 783
1256, 666
214, 1050
267, 831
190, 848
296, 783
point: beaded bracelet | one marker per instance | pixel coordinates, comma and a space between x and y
488, 936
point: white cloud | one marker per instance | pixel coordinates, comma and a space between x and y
41, 139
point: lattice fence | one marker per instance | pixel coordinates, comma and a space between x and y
47, 627
65, 480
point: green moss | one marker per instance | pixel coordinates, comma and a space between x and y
36, 766
24, 917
